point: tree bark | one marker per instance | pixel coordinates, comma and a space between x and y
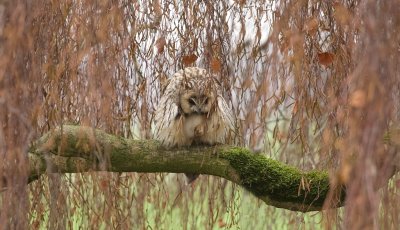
75, 149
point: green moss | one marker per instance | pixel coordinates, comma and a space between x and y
266, 177
120, 157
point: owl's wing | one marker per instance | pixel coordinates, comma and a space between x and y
227, 119
225, 111
166, 113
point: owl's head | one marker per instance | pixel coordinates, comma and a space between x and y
198, 92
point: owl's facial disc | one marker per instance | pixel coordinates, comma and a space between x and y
196, 103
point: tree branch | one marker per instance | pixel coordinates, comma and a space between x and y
74, 149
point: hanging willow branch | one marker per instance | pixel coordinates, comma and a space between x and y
74, 149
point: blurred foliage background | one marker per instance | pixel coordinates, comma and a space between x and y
314, 84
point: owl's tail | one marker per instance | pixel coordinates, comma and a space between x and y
191, 177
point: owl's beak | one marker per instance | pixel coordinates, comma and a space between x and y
197, 109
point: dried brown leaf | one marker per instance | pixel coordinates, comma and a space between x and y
160, 44
215, 65
189, 59
326, 58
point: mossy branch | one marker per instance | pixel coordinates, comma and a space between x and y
74, 149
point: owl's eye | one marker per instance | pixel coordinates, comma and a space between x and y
192, 101
206, 100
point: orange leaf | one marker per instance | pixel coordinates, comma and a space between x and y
215, 65
160, 44
189, 59
326, 58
